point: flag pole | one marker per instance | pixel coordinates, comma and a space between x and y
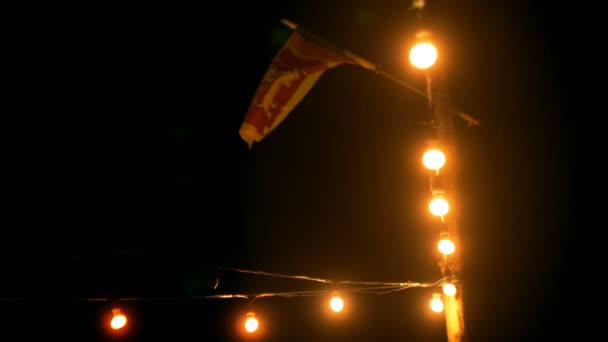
471, 121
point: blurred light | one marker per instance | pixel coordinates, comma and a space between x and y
439, 206
251, 324
433, 159
119, 320
423, 54
446, 246
436, 304
336, 303
449, 289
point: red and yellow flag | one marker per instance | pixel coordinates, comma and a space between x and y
292, 73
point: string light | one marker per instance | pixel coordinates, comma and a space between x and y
439, 206
433, 159
445, 245
336, 303
449, 289
436, 303
424, 53
251, 323
119, 320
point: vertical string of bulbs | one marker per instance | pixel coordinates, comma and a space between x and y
423, 55
434, 159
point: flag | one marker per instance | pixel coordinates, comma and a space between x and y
291, 74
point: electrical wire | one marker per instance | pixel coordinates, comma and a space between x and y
370, 287
327, 281
277, 275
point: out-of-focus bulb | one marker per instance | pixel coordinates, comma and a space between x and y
439, 206
449, 289
119, 320
336, 303
423, 55
433, 159
436, 304
446, 246
251, 324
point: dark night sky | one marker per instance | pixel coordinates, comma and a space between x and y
123, 174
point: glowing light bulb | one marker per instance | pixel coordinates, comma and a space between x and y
118, 321
439, 206
436, 304
251, 324
423, 54
433, 159
449, 289
336, 303
446, 246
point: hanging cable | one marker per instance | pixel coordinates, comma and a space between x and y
374, 287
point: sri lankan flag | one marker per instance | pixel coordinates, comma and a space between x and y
291, 74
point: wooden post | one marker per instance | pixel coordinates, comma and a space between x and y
451, 266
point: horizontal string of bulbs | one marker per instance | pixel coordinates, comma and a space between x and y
118, 319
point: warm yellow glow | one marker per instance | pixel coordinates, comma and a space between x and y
423, 55
336, 303
251, 324
433, 159
439, 206
446, 246
118, 321
449, 289
436, 304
